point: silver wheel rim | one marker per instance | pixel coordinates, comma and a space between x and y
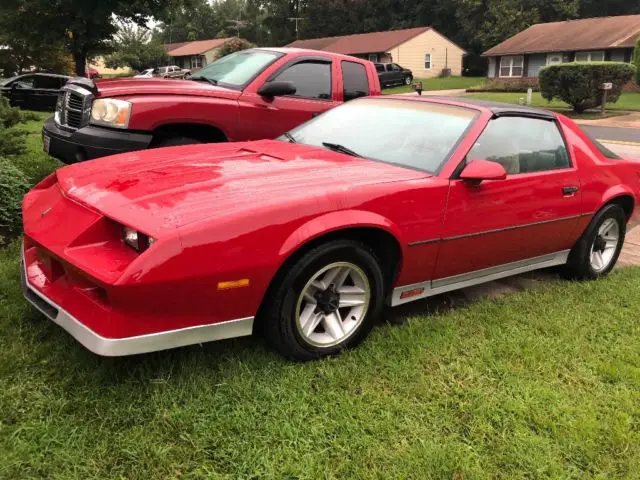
407, 81
333, 304
605, 244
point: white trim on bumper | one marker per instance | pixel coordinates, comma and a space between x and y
115, 347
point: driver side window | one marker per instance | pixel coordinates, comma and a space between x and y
312, 79
521, 145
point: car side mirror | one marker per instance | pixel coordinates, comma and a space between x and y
277, 88
477, 171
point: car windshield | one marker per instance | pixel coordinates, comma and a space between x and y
412, 134
237, 69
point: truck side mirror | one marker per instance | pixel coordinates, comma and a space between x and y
277, 88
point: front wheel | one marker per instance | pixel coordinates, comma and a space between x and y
408, 80
327, 302
597, 251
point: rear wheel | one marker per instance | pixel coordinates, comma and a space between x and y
597, 251
327, 302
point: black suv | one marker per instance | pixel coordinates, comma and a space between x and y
393, 74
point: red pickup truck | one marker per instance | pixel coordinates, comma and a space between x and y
252, 94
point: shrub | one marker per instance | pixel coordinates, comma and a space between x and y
520, 86
234, 45
13, 185
636, 61
9, 116
579, 83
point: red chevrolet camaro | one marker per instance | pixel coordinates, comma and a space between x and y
379, 201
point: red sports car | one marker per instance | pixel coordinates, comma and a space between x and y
380, 201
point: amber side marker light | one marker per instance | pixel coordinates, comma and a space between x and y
233, 284
411, 293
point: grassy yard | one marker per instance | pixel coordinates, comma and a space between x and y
438, 83
544, 383
627, 101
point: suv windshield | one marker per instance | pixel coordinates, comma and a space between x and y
237, 69
414, 134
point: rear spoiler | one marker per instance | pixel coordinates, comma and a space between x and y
85, 83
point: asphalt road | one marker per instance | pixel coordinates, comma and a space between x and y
613, 133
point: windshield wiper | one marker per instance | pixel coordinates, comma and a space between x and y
206, 79
341, 148
289, 137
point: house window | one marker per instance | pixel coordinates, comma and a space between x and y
196, 61
373, 57
427, 61
595, 56
511, 66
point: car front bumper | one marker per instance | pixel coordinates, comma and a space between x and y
47, 295
89, 142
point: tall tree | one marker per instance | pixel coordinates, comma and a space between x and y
86, 25
134, 47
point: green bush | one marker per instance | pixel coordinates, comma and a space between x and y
9, 116
233, 45
636, 61
579, 83
13, 185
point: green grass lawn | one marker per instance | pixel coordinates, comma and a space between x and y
626, 102
543, 383
439, 83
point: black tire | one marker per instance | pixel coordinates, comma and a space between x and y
175, 141
280, 326
579, 265
408, 80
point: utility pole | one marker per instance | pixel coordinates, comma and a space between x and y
296, 19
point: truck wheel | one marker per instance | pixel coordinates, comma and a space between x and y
408, 80
328, 301
175, 141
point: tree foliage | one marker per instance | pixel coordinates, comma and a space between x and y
579, 83
134, 47
85, 26
234, 45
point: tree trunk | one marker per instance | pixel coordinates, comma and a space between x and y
80, 61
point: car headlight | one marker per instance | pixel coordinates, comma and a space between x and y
111, 112
136, 240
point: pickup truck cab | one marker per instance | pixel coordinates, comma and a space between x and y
248, 95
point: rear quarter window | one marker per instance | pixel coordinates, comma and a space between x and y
604, 150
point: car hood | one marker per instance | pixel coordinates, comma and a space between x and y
157, 190
161, 86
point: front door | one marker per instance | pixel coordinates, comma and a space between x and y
269, 117
529, 217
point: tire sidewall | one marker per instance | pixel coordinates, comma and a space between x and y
340, 251
582, 255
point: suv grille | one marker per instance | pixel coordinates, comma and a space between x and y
73, 108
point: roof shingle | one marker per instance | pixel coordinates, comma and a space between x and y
195, 48
585, 34
360, 43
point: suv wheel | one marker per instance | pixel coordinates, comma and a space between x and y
408, 80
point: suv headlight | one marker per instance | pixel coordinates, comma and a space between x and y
111, 112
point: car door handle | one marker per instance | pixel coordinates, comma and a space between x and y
570, 191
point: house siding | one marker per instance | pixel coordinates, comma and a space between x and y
444, 53
536, 62
492, 67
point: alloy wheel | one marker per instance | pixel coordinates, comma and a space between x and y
333, 304
605, 244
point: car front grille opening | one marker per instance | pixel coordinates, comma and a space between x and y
45, 307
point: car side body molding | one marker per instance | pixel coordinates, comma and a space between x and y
447, 284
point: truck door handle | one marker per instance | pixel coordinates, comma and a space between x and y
570, 191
